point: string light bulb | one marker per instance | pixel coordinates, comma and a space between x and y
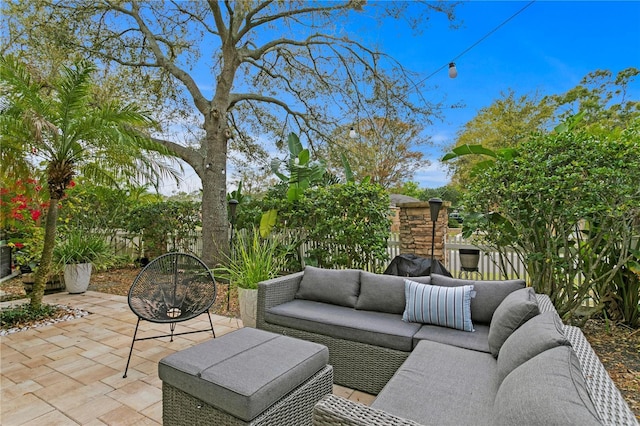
453, 71
352, 133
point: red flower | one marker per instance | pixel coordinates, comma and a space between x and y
72, 184
17, 215
35, 214
19, 245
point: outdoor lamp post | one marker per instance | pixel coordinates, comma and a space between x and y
434, 207
233, 204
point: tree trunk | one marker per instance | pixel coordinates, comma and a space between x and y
215, 226
46, 259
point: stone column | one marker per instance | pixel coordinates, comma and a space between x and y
416, 228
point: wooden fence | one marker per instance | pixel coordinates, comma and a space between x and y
489, 265
488, 268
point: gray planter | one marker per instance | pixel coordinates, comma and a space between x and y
248, 300
77, 277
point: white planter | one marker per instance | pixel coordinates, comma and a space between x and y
77, 276
248, 300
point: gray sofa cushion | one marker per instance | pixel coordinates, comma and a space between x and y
338, 287
540, 333
478, 340
549, 389
489, 294
516, 309
383, 293
454, 386
243, 372
373, 328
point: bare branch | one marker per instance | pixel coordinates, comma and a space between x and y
199, 100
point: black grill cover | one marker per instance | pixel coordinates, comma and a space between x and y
410, 265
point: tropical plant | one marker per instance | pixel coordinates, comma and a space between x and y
23, 205
57, 129
80, 247
254, 259
304, 173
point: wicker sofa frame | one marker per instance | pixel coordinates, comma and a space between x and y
355, 365
368, 368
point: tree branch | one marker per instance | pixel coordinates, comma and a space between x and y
199, 100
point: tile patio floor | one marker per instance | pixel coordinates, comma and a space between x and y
70, 373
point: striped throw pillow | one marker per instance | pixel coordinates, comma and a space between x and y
444, 306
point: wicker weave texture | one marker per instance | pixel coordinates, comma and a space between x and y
276, 292
611, 407
356, 365
174, 287
333, 410
296, 408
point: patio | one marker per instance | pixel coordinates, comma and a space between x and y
71, 372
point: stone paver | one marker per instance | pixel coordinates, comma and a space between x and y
70, 373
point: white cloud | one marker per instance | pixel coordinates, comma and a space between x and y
432, 176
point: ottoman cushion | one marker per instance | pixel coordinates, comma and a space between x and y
244, 372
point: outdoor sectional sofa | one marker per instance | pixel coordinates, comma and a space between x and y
519, 365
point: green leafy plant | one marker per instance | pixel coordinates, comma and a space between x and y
79, 247
254, 259
347, 225
163, 222
568, 204
15, 316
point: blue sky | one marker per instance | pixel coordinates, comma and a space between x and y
549, 47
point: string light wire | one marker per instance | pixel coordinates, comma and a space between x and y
477, 42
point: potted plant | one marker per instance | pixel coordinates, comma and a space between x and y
253, 259
76, 255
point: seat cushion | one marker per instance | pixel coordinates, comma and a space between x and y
244, 372
478, 340
540, 333
516, 309
488, 294
444, 306
441, 385
383, 293
549, 389
373, 328
338, 287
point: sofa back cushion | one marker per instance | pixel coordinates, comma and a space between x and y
516, 309
549, 389
540, 333
383, 293
444, 306
336, 286
489, 294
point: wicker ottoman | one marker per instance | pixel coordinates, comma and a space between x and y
247, 377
